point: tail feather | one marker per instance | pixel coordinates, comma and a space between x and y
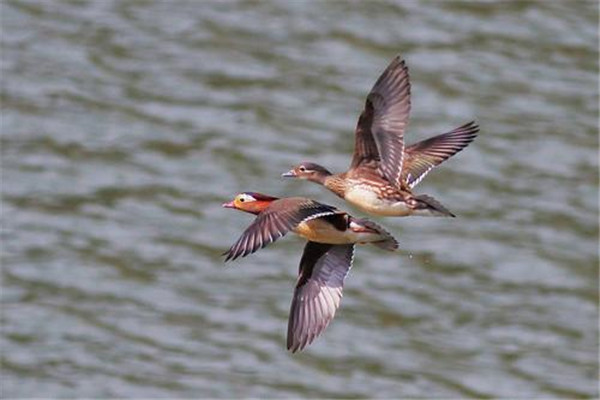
388, 242
430, 206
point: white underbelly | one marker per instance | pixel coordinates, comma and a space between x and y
368, 202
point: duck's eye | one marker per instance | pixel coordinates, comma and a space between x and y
242, 200
302, 169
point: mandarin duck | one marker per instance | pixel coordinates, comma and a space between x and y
383, 170
325, 262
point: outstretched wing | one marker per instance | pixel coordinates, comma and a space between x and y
381, 126
275, 221
422, 157
318, 293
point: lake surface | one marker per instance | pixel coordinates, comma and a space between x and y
126, 124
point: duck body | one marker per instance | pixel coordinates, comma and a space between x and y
323, 231
366, 189
383, 170
340, 229
372, 201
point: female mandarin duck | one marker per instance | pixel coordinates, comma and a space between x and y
383, 170
326, 260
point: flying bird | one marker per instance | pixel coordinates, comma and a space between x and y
326, 259
310, 219
384, 170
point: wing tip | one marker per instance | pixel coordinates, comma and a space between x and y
399, 60
230, 256
294, 347
471, 128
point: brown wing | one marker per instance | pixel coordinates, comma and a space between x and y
421, 157
274, 222
380, 128
318, 293
365, 149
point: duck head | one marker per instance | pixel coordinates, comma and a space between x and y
308, 171
250, 202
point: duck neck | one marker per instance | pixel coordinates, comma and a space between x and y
336, 183
320, 177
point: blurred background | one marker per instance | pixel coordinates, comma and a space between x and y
126, 124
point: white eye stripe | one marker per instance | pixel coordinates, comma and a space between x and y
246, 197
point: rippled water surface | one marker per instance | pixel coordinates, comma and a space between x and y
126, 124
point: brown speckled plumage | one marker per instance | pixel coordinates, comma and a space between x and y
381, 162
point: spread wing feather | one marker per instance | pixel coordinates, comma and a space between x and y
422, 157
381, 126
318, 292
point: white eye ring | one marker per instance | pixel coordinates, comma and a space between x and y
302, 169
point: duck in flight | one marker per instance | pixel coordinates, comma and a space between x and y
310, 219
326, 259
383, 170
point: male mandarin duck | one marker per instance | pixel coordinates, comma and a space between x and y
383, 170
313, 221
326, 260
